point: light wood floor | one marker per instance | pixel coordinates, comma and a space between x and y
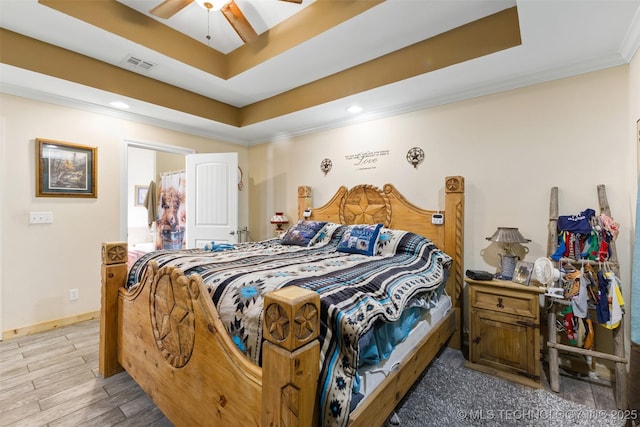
52, 379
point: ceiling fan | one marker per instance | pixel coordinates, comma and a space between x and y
229, 9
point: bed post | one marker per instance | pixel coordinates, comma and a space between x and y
304, 199
290, 357
114, 276
454, 246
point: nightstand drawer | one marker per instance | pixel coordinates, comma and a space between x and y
504, 301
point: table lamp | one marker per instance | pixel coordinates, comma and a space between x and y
506, 237
279, 219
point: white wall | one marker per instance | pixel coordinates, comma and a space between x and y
511, 147
141, 165
42, 262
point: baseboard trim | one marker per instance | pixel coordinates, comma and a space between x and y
47, 326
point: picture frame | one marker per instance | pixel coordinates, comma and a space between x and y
140, 193
65, 169
522, 273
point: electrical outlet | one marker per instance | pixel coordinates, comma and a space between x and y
74, 294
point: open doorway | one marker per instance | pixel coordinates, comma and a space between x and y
144, 162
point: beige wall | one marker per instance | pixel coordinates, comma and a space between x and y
42, 262
511, 147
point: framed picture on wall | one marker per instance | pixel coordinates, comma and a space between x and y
65, 170
140, 194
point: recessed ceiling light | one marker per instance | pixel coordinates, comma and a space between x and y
119, 104
354, 109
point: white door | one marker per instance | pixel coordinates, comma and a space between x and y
212, 198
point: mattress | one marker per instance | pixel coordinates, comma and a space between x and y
372, 375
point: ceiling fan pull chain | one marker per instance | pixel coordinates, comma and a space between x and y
208, 27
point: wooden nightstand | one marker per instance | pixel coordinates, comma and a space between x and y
504, 330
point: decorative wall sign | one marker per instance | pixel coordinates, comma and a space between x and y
415, 156
366, 159
325, 166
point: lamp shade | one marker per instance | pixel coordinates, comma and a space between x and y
508, 235
279, 218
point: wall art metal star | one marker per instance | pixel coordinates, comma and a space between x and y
415, 156
325, 166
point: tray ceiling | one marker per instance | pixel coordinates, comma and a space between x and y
309, 62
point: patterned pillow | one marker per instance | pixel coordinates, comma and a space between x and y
302, 232
325, 234
360, 239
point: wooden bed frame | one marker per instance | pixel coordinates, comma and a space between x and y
167, 334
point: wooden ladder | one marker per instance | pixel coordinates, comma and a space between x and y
618, 355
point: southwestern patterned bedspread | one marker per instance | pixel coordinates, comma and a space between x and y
356, 291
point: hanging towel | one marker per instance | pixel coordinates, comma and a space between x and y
151, 203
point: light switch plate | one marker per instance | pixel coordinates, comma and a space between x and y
40, 217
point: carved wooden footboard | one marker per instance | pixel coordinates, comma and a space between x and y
167, 334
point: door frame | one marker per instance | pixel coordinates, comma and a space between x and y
124, 177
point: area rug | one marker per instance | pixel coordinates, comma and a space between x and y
450, 395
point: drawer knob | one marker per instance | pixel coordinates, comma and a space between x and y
500, 305
476, 340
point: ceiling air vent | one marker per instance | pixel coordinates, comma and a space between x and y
138, 64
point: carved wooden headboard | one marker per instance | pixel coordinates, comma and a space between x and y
368, 204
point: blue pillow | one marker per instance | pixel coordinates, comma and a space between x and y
360, 239
302, 232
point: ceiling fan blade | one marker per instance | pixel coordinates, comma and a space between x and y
236, 18
168, 8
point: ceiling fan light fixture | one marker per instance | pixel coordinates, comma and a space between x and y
212, 4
